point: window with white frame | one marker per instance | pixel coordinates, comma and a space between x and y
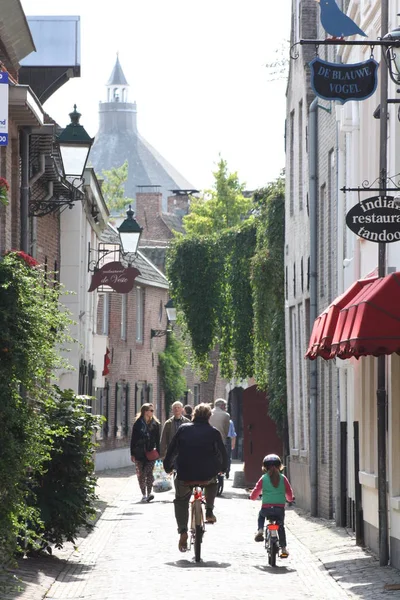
105, 326
124, 304
196, 394
139, 314
118, 425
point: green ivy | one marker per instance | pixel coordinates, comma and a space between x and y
229, 290
172, 363
268, 299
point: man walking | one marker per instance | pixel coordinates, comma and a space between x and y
171, 426
220, 419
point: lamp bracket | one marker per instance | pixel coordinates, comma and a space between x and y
159, 332
65, 196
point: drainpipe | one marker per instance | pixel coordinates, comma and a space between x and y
24, 197
42, 160
381, 392
49, 196
313, 158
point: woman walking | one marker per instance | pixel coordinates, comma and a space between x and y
145, 448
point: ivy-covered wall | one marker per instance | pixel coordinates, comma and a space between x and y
229, 290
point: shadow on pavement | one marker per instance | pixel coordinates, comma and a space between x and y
191, 564
275, 570
361, 578
233, 495
30, 571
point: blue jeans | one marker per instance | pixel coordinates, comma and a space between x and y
277, 513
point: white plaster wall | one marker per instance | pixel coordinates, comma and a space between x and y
113, 459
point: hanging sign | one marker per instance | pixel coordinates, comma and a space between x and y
376, 219
115, 276
333, 81
3, 108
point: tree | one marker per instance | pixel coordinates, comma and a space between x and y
220, 208
113, 188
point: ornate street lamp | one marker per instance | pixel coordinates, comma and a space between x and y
74, 143
129, 233
171, 316
171, 310
391, 53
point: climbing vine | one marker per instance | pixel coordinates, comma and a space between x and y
172, 363
268, 299
229, 288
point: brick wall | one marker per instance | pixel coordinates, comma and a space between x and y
148, 215
178, 204
134, 363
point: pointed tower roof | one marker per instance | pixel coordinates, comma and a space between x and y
117, 76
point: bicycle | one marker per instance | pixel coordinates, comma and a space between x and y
197, 521
272, 541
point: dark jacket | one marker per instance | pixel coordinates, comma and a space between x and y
144, 437
199, 451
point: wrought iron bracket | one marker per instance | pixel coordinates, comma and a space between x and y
386, 43
159, 332
391, 186
42, 206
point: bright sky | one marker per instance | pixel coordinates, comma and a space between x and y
197, 72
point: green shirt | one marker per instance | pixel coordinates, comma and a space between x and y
271, 494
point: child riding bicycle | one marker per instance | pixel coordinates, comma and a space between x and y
275, 490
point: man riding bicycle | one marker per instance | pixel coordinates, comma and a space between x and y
199, 454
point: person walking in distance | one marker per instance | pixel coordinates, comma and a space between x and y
220, 419
230, 445
187, 411
198, 454
145, 448
171, 426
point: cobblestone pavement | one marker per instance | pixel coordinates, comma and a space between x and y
133, 553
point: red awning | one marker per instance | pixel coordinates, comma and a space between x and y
369, 325
324, 325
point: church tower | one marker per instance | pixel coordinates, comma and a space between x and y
118, 140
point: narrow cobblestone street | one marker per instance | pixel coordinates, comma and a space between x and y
133, 552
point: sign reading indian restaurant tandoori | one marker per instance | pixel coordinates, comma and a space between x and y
376, 219
334, 81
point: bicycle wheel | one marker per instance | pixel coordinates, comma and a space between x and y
273, 553
198, 532
220, 488
198, 536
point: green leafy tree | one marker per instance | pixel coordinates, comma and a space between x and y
32, 328
64, 491
172, 362
220, 208
114, 188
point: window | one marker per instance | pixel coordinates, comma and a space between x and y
105, 314
294, 359
118, 410
139, 314
196, 394
124, 304
291, 162
300, 155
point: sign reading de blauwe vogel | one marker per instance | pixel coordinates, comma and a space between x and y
333, 81
376, 219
